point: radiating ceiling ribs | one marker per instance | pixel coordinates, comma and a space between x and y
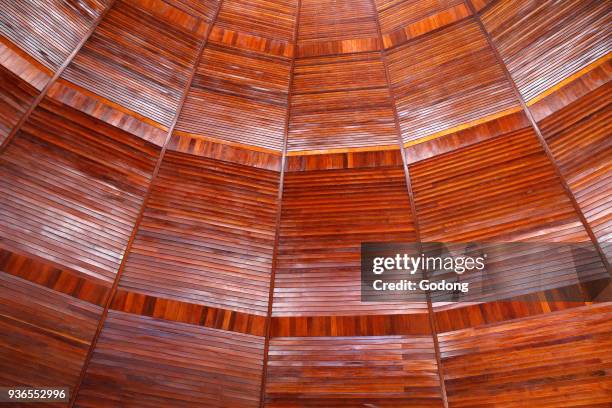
57, 74
279, 204
541, 138
139, 218
432, 322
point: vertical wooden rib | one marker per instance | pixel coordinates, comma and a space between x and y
54, 78
400, 141
541, 138
139, 218
279, 205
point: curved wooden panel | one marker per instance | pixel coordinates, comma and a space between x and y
502, 189
326, 215
142, 362
72, 186
238, 96
445, 79
262, 25
579, 137
329, 27
557, 360
207, 235
340, 102
140, 56
44, 335
59, 26
543, 42
383, 371
402, 20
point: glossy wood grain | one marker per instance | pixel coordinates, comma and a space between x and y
207, 235
556, 360
15, 97
142, 362
340, 102
72, 186
446, 78
579, 138
326, 214
381, 371
60, 25
544, 42
141, 54
44, 334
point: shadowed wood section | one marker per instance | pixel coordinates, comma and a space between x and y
446, 78
579, 138
340, 102
199, 146
16, 95
72, 186
44, 335
402, 20
557, 360
329, 27
141, 54
54, 277
502, 189
143, 362
206, 236
381, 371
49, 32
383, 325
191, 313
543, 42
326, 215
265, 26
239, 97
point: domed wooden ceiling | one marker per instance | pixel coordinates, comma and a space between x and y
186, 184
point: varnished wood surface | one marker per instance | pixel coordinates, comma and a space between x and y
143, 362
72, 186
44, 334
542, 42
381, 371
206, 235
556, 360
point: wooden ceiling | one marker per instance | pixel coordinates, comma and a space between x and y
185, 186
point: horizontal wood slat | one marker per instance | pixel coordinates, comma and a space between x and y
140, 56
72, 186
381, 371
580, 140
340, 102
326, 215
446, 78
556, 360
48, 33
206, 236
44, 335
329, 27
142, 362
543, 42
502, 189
239, 97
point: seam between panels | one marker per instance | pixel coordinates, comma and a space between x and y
140, 215
56, 75
540, 137
432, 322
279, 206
